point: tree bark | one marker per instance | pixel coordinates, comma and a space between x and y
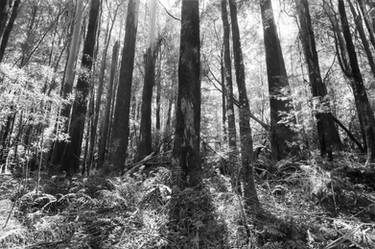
228, 91
8, 29
223, 98
68, 81
364, 110
362, 34
107, 113
249, 191
100, 90
145, 138
120, 131
72, 152
158, 100
4, 9
367, 20
342, 55
279, 90
327, 131
186, 159
5, 137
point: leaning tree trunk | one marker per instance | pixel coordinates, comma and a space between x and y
342, 56
4, 9
72, 152
120, 132
107, 113
228, 90
368, 22
250, 195
186, 155
8, 29
279, 90
327, 131
362, 34
364, 110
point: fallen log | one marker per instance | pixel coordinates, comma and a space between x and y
364, 176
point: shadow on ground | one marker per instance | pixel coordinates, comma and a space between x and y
193, 222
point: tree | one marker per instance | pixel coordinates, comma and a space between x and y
72, 152
278, 85
365, 113
107, 113
8, 29
99, 93
67, 85
120, 132
362, 34
158, 99
145, 139
327, 131
368, 22
250, 194
186, 154
4, 8
228, 92
342, 56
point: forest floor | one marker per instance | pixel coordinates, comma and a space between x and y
308, 204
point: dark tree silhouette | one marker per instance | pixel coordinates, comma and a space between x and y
120, 131
186, 155
8, 28
279, 90
228, 92
365, 113
327, 131
250, 194
72, 151
107, 113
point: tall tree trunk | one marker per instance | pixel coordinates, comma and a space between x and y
327, 131
107, 113
4, 9
145, 138
77, 121
69, 74
158, 100
6, 133
250, 194
232, 137
342, 55
223, 98
362, 34
367, 20
100, 90
168, 122
279, 90
89, 130
26, 46
120, 131
364, 110
8, 29
186, 153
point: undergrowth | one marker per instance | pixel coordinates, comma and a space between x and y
306, 204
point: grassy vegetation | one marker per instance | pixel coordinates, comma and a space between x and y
306, 204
